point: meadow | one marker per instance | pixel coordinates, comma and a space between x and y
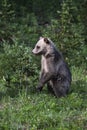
30, 110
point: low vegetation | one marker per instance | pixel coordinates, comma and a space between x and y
27, 109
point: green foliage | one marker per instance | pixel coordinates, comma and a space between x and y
32, 110
68, 33
7, 15
67, 30
23, 28
16, 63
6, 11
26, 29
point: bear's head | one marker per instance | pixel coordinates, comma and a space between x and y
41, 46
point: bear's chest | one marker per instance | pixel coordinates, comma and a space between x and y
47, 64
44, 64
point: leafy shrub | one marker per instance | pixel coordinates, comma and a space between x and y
7, 15
67, 31
23, 28
16, 64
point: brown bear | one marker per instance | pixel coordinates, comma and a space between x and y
54, 71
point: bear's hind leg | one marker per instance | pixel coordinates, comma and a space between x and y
59, 91
49, 87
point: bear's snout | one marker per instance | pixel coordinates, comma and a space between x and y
33, 51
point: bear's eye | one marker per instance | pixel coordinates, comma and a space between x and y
38, 47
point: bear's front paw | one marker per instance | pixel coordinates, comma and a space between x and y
39, 89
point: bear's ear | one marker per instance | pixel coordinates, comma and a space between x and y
46, 40
40, 38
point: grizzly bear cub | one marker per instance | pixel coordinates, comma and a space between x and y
54, 70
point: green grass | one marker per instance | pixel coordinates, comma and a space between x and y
29, 110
